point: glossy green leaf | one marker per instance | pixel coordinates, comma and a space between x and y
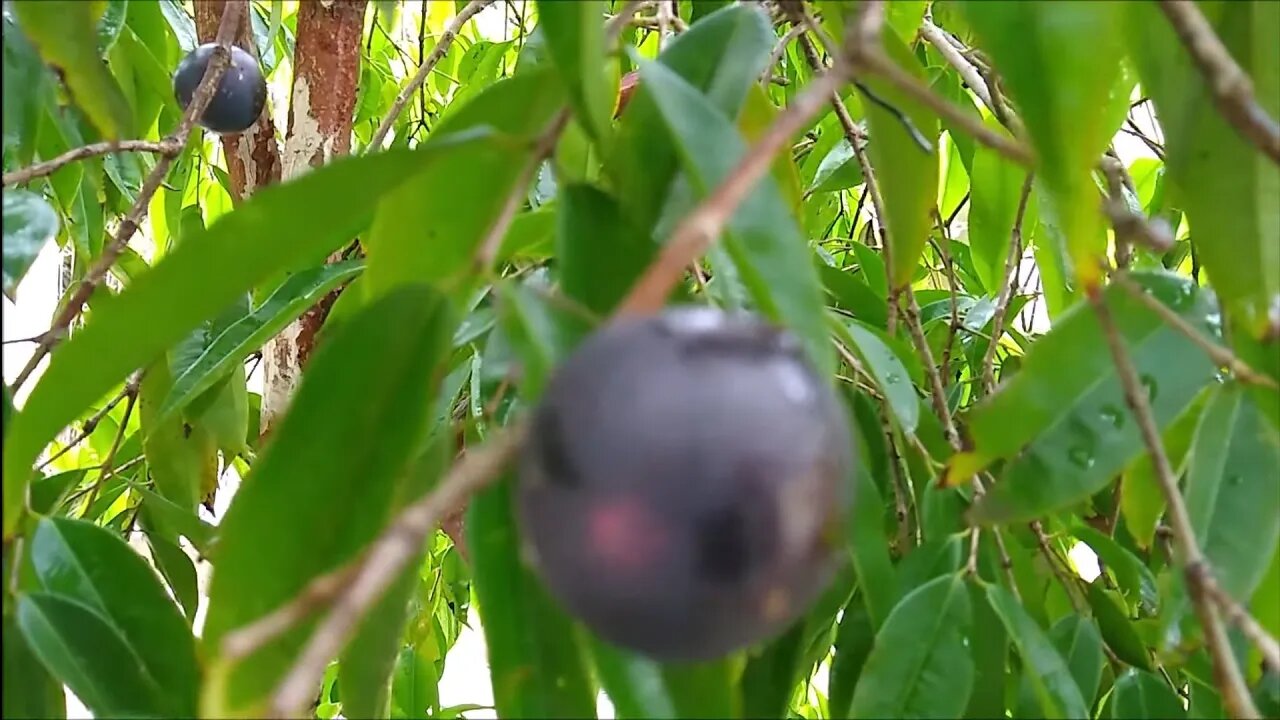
907, 173
334, 460
767, 247
888, 371
29, 689
84, 651
535, 655
574, 35
1080, 643
990, 653
26, 87
1224, 183
414, 685
80, 561
65, 33
855, 637
234, 343
1133, 577
306, 219
1051, 678
1142, 502
920, 665
1139, 694
430, 228
226, 418
29, 224
1230, 494
177, 520
1059, 83
839, 170
1063, 419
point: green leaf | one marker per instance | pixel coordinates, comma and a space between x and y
234, 343
181, 457
1064, 416
29, 224
767, 246
721, 56
599, 252
306, 219
1139, 694
429, 229
82, 650
920, 665
1232, 488
839, 170
178, 571
29, 689
634, 683
1142, 502
888, 371
535, 656
65, 33
990, 652
1117, 628
1133, 577
334, 461
1226, 185
26, 90
995, 192
907, 173
574, 34
1059, 83
1051, 679
414, 685
854, 639
226, 419
80, 561
177, 520
1080, 644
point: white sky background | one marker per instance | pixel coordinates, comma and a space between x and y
466, 676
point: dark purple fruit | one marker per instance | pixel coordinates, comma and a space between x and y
241, 95
684, 483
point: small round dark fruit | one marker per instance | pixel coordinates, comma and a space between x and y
241, 94
684, 484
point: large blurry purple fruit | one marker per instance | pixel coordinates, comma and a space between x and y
685, 481
241, 94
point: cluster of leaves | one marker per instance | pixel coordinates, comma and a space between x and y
428, 350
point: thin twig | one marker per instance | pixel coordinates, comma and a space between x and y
379, 568
130, 389
1231, 87
243, 641
779, 50
1006, 290
109, 462
25, 175
129, 225
1221, 356
615, 25
926, 358
1230, 682
543, 147
406, 93
1130, 226
1054, 561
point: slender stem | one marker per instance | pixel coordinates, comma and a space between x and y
25, 175
1006, 290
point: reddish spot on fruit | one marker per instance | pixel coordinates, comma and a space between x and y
624, 535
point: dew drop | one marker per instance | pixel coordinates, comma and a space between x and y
1081, 457
1149, 383
892, 378
1235, 480
1112, 416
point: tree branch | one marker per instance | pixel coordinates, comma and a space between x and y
1006, 290
1232, 89
442, 46
1230, 681
129, 225
25, 175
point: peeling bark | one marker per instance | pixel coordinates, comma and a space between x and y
326, 78
253, 157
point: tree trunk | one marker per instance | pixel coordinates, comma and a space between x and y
326, 77
253, 158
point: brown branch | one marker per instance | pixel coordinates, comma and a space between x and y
543, 147
779, 50
442, 46
615, 25
1235, 694
1231, 87
108, 463
31, 172
931, 370
129, 225
1220, 355
1006, 290
1238, 616
378, 569
1130, 226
